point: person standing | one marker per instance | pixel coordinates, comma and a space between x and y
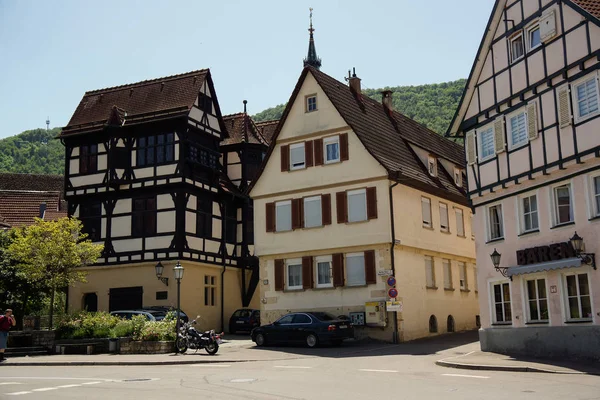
7, 321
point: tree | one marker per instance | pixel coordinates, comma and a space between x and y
54, 251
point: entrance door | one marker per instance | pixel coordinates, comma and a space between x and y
90, 302
129, 298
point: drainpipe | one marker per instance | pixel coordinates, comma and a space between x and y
395, 338
224, 244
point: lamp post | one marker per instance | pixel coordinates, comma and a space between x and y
159, 268
578, 246
178, 272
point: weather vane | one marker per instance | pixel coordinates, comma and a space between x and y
311, 30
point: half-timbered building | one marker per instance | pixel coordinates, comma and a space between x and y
529, 116
146, 170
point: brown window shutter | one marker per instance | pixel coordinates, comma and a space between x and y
279, 275
372, 203
285, 158
318, 145
307, 273
326, 209
370, 273
341, 203
270, 217
297, 213
338, 269
344, 147
308, 153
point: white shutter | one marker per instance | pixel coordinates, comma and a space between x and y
548, 25
564, 106
532, 131
499, 140
470, 148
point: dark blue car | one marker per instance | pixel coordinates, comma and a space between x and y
244, 319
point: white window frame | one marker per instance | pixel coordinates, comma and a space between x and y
288, 263
296, 146
331, 140
521, 209
530, 29
429, 224
509, 117
565, 296
510, 41
354, 193
432, 166
460, 216
447, 267
554, 204
312, 199
463, 283
433, 286
536, 278
312, 96
488, 224
575, 102
351, 255
444, 207
480, 132
593, 208
280, 204
323, 259
492, 302
458, 177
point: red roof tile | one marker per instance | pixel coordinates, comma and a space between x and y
31, 182
19, 208
241, 128
591, 6
267, 129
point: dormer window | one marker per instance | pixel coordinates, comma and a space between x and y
311, 103
432, 166
458, 177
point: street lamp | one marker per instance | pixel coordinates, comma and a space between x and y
178, 272
578, 246
495, 256
159, 271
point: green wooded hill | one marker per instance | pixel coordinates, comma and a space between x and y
33, 152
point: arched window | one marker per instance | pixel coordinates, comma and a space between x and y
450, 323
433, 324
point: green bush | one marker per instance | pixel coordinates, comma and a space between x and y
124, 328
153, 331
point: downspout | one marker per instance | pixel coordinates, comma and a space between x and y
224, 244
395, 338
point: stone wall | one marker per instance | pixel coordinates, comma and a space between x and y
31, 339
129, 346
559, 342
43, 339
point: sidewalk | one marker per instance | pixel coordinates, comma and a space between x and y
479, 360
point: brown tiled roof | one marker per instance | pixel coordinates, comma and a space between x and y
387, 137
267, 129
31, 182
591, 6
3, 223
160, 98
242, 129
19, 208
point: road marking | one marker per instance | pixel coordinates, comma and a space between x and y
17, 393
377, 370
10, 383
291, 367
54, 378
69, 386
467, 376
46, 389
211, 365
91, 383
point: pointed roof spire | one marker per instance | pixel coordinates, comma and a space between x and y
311, 58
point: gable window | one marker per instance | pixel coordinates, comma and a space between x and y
432, 166
283, 216
429, 272
563, 208
537, 300
311, 103
447, 274
517, 129
502, 312
462, 270
91, 217
357, 205
460, 222
533, 37
444, 225
458, 177
323, 271
143, 218
88, 159
516, 47
210, 290
331, 147
529, 213
355, 269
495, 223
204, 217
596, 195
312, 212
578, 302
426, 212
156, 149
205, 103
203, 156
586, 98
486, 143
297, 156
294, 274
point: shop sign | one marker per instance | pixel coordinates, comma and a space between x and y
540, 254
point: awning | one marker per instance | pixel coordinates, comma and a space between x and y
545, 266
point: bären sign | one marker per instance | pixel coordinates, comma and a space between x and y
540, 254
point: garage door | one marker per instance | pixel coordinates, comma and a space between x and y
128, 298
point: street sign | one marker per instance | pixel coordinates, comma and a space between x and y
391, 281
393, 293
393, 306
385, 272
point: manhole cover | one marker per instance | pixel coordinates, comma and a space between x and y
136, 380
244, 380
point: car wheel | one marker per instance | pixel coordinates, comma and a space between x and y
260, 339
312, 340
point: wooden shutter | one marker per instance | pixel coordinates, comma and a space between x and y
338, 269
499, 142
270, 217
307, 273
371, 203
370, 273
285, 158
564, 106
297, 213
341, 203
532, 131
326, 209
547, 25
308, 153
318, 145
279, 275
470, 148
344, 155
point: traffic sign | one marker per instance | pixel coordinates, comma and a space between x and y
385, 272
393, 293
391, 281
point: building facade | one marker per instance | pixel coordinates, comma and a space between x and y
529, 116
352, 193
146, 172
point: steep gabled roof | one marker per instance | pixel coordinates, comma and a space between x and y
591, 6
20, 208
267, 129
32, 182
242, 129
386, 136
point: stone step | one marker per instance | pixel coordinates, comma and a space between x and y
25, 351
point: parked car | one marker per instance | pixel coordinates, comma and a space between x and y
244, 319
310, 328
151, 315
183, 316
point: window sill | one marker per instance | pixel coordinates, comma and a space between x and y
518, 146
563, 225
292, 169
494, 240
449, 289
432, 287
428, 227
529, 232
581, 321
465, 290
324, 288
293, 290
357, 222
356, 286
332, 162
461, 236
502, 324
596, 218
312, 227
446, 232
310, 111
537, 323
577, 119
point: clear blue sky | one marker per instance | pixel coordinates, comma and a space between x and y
51, 52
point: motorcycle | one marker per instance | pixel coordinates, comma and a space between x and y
189, 337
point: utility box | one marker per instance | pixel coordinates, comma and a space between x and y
375, 314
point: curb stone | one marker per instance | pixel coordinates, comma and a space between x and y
506, 368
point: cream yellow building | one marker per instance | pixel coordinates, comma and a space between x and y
351, 193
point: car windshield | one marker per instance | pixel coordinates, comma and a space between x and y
159, 315
242, 313
323, 316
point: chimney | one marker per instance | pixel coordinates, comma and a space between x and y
42, 210
386, 100
354, 81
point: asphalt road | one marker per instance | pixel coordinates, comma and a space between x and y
371, 372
